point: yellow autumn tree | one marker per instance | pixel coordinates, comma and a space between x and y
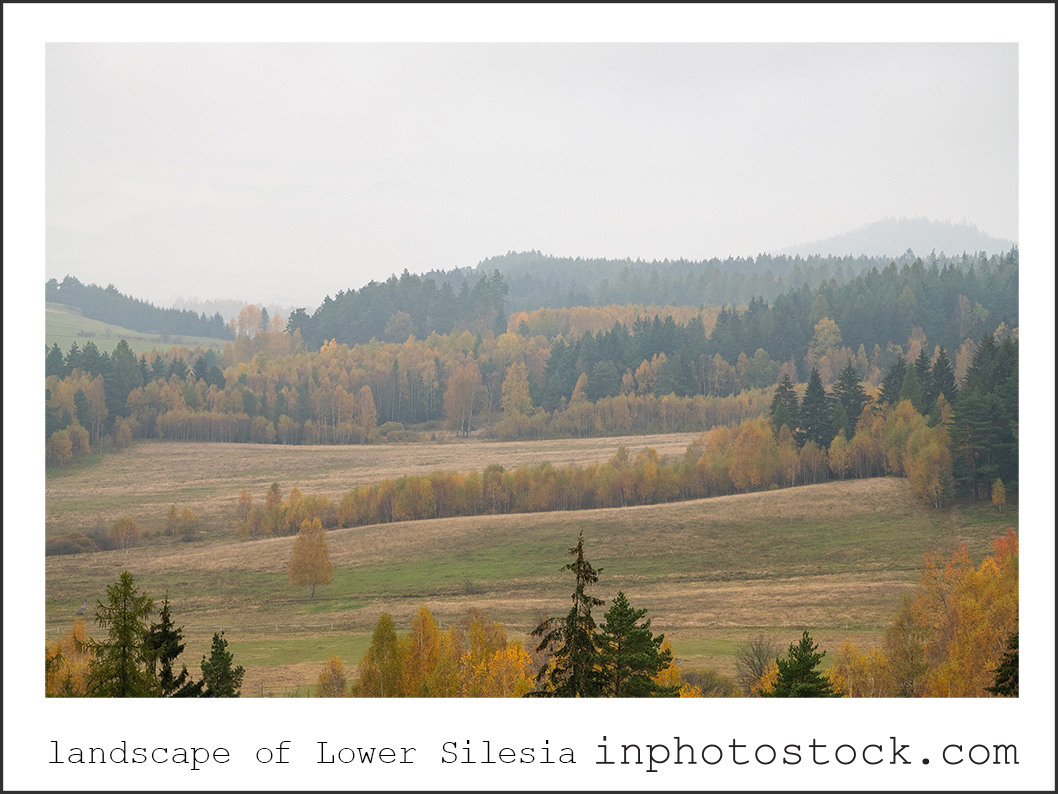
124, 532
310, 560
999, 494
421, 654
855, 674
509, 673
769, 678
332, 682
515, 399
243, 506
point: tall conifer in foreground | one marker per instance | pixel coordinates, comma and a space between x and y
572, 671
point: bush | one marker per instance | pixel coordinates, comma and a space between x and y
70, 543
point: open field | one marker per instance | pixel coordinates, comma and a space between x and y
149, 476
710, 572
62, 324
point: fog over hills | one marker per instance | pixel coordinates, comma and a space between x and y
893, 236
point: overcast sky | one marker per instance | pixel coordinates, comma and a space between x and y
284, 172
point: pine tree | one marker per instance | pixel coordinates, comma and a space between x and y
120, 668
572, 671
629, 654
798, 676
221, 680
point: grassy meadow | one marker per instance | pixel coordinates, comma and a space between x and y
711, 572
65, 325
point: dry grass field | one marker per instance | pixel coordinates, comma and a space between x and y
710, 572
149, 476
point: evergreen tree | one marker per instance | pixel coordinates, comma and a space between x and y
849, 392
943, 377
893, 382
572, 670
120, 668
630, 656
221, 680
1006, 683
924, 370
164, 644
798, 677
54, 363
815, 420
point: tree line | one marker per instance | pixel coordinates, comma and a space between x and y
110, 306
409, 305
541, 281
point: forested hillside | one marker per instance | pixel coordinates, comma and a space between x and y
538, 281
111, 306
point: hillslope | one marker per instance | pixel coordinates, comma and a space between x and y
710, 572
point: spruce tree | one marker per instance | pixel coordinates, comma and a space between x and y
164, 644
815, 420
943, 377
630, 656
924, 370
893, 382
798, 677
571, 671
54, 363
849, 392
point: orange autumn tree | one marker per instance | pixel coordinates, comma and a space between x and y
66, 663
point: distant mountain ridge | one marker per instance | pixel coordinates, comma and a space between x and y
894, 236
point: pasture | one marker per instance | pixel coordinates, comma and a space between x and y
65, 325
711, 572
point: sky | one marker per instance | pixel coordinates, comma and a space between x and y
284, 172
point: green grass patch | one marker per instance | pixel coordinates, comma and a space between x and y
272, 651
64, 325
